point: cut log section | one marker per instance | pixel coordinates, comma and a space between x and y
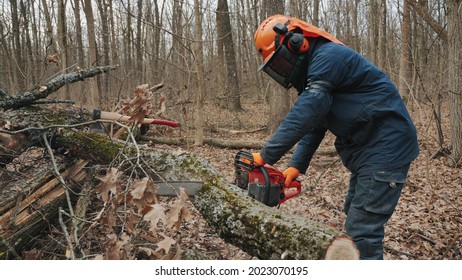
22, 218
342, 248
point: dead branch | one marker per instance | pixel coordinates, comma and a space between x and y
233, 131
27, 98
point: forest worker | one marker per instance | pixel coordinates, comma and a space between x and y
340, 91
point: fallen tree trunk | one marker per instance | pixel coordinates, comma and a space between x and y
258, 230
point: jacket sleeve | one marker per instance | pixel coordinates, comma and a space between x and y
306, 148
303, 121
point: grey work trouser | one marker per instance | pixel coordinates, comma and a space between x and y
371, 199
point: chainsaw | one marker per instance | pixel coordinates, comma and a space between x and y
263, 183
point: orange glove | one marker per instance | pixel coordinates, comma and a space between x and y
290, 174
257, 159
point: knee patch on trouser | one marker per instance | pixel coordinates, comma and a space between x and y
367, 230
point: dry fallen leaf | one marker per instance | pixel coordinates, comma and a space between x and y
143, 193
109, 183
179, 211
165, 244
155, 215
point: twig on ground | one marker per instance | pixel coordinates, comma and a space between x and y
66, 233
66, 190
399, 252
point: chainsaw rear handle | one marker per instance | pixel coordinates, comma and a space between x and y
294, 189
244, 160
98, 114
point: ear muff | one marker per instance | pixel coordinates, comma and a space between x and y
297, 43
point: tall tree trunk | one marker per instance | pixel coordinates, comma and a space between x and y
278, 97
80, 53
455, 76
198, 62
232, 83
103, 11
115, 84
18, 72
373, 31
139, 51
6, 55
29, 57
220, 51
356, 43
382, 55
92, 52
405, 70
316, 12
62, 41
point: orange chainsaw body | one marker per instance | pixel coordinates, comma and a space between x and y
263, 183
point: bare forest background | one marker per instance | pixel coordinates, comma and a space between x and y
203, 50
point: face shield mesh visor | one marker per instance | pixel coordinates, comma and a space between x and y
283, 66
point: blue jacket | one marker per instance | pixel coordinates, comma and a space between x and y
349, 96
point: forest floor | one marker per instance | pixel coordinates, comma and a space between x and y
427, 223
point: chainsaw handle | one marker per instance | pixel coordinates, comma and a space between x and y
295, 184
267, 180
164, 122
294, 189
98, 114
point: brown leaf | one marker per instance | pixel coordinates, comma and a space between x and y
132, 221
109, 183
143, 193
138, 188
155, 215
179, 211
53, 58
165, 244
140, 105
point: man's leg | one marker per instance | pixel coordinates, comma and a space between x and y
371, 200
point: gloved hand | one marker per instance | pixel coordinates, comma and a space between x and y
257, 159
290, 174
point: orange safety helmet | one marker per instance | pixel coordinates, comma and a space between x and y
267, 39
281, 40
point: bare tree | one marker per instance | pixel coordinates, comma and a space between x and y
279, 101
92, 51
18, 70
198, 63
405, 72
232, 81
62, 41
104, 16
79, 41
455, 76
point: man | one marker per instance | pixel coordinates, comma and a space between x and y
340, 91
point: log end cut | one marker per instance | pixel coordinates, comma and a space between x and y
342, 248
